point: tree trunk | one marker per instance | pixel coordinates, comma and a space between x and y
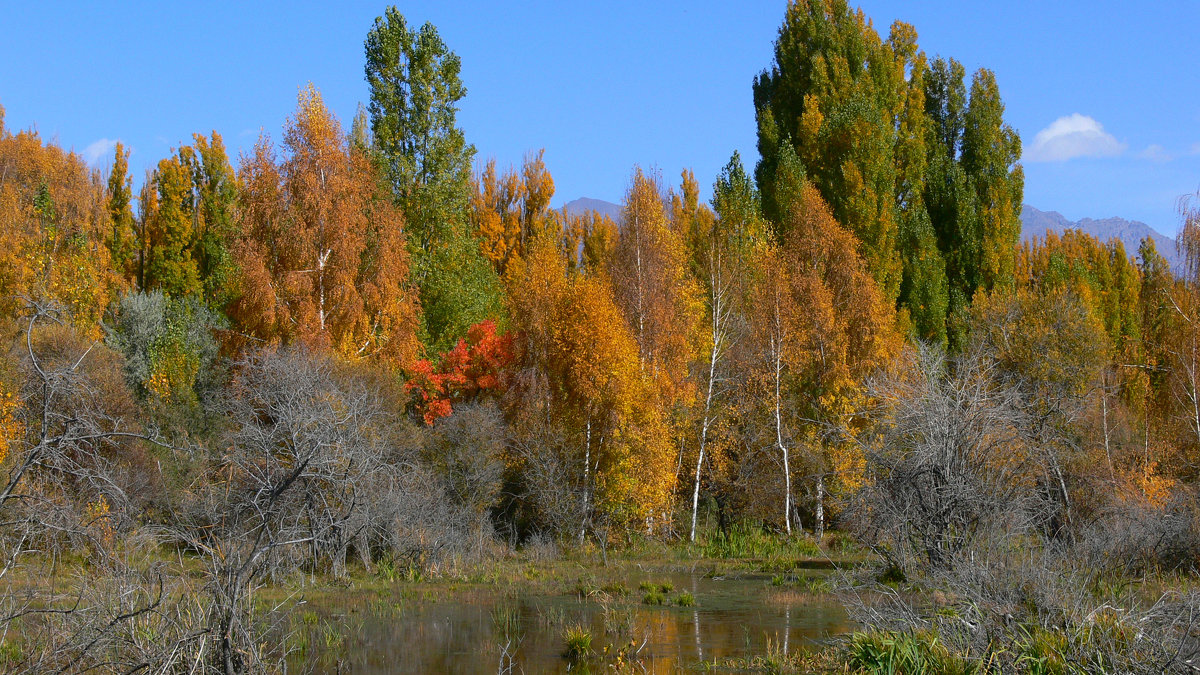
587, 459
820, 524
787, 470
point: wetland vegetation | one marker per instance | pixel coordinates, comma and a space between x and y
362, 405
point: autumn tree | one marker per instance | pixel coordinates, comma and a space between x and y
844, 335
579, 372
55, 231
598, 234
720, 248
1108, 284
772, 320
1053, 350
652, 286
478, 366
510, 209
322, 256
818, 327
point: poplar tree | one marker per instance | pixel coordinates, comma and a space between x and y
415, 86
925, 177
122, 241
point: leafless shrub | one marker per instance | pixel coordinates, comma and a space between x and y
1036, 609
1137, 536
74, 471
949, 461
550, 491
961, 487
466, 449
284, 490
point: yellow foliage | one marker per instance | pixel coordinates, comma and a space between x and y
10, 427
1153, 486
98, 520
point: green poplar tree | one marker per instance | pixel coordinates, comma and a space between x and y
169, 229
214, 198
122, 243
415, 87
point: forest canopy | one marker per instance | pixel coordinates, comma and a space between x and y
361, 341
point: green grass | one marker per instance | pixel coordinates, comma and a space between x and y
10, 652
685, 599
654, 597
751, 542
578, 642
899, 653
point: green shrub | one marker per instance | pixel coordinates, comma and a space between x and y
654, 597
578, 642
888, 652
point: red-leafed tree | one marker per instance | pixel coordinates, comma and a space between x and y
474, 368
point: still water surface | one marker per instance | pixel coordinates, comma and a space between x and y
487, 632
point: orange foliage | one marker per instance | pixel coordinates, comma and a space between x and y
659, 298
322, 254
508, 211
476, 366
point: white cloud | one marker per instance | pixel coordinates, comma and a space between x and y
98, 150
1156, 153
1073, 136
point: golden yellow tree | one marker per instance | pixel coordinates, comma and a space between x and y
54, 231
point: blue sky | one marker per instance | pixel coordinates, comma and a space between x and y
1103, 93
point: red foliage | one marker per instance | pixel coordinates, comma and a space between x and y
474, 368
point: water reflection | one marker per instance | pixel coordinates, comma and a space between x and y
487, 633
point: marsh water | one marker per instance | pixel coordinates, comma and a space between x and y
482, 630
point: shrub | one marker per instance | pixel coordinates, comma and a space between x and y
578, 641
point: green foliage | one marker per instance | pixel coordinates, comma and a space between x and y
122, 244
737, 205
833, 92
170, 266
924, 289
415, 88
925, 176
578, 642
974, 186
214, 195
458, 289
752, 541
169, 348
686, 599
907, 653
654, 597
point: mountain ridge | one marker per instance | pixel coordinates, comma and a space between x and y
1035, 223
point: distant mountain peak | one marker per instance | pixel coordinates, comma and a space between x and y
585, 204
1036, 223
